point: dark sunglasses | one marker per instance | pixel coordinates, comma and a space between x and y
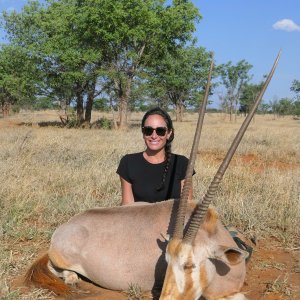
160, 131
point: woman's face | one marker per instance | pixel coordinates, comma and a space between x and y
156, 140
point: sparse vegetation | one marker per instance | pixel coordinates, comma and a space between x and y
134, 292
270, 265
280, 286
48, 174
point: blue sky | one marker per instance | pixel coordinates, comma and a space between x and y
255, 31
252, 30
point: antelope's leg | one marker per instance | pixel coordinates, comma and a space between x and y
69, 277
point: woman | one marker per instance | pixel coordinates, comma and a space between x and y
155, 174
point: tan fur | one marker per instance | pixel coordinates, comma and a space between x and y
40, 276
174, 247
218, 277
58, 260
113, 247
210, 223
169, 286
189, 285
203, 277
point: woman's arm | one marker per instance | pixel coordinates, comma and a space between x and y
190, 198
127, 194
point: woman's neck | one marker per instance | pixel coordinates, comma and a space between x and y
155, 157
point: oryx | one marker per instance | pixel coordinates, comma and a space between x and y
116, 247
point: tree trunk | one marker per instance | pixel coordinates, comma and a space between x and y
114, 118
123, 112
79, 107
89, 103
230, 112
88, 112
179, 111
5, 109
124, 98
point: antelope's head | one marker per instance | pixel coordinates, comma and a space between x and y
192, 265
190, 253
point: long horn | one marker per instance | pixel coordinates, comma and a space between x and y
179, 225
202, 207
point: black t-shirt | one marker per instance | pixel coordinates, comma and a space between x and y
146, 177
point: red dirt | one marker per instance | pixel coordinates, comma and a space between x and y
273, 272
254, 161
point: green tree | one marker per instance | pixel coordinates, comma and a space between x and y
180, 78
296, 86
296, 108
16, 78
62, 68
264, 108
84, 48
248, 95
285, 106
134, 33
274, 107
234, 78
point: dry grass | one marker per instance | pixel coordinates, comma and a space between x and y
48, 174
134, 292
280, 286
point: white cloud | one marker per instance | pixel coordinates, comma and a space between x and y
286, 25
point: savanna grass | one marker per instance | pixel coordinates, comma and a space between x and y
48, 174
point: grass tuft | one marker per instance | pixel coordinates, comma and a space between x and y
279, 286
134, 292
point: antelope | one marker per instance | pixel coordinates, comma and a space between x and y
119, 246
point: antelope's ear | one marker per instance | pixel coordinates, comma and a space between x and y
231, 255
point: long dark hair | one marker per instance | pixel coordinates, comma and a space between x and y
169, 123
